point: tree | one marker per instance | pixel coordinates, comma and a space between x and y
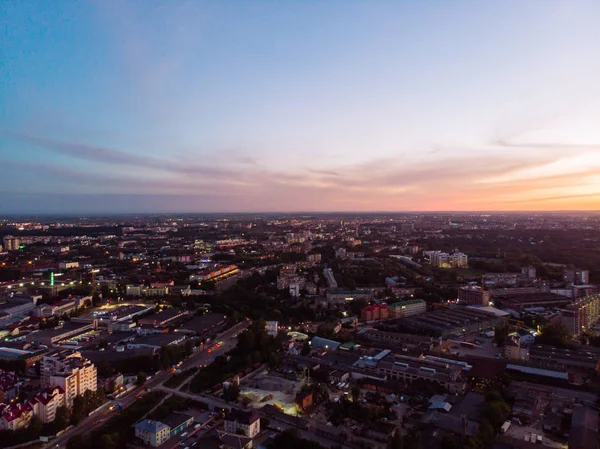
305, 349
108, 441
500, 334
61, 418
553, 334
79, 409
35, 425
141, 379
355, 393
231, 393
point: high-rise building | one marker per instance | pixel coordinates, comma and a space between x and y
445, 260
581, 314
11, 243
70, 371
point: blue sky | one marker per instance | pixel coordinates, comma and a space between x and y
306, 105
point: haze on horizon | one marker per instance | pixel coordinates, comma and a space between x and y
115, 106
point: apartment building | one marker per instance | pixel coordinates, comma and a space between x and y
445, 260
70, 371
407, 308
581, 314
246, 423
46, 402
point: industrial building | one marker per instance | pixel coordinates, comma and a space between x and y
473, 295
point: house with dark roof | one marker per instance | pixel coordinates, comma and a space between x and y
238, 421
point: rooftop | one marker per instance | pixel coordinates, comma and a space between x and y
149, 425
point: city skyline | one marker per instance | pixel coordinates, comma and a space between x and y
338, 106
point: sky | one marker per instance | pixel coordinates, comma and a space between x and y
337, 105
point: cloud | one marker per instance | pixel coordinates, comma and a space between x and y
113, 156
323, 172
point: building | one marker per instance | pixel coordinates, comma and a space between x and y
18, 304
329, 278
324, 343
410, 341
526, 338
246, 423
294, 290
340, 295
271, 328
407, 308
408, 369
68, 265
46, 402
454, 320
513, 350
11, 243
445, 260
177, 423
60, 308
529, 272
473, 296
133, 290
304, 399
66, 331
581, 315
156, 341
313, 260
70, 371
15, 416
163, 318
576, 276
375, 312
9, 386
152, 433
522, 298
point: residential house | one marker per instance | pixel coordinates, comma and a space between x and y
247, 423
153, 433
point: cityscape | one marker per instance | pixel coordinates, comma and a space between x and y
299, 224
313, 330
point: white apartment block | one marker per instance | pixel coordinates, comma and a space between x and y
69, 371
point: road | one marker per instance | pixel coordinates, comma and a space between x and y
229, 339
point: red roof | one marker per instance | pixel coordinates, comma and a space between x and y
48, 394
10, 412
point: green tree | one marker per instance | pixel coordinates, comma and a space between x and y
355, 393
78, 411
141, 379
61, 418
500, 334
